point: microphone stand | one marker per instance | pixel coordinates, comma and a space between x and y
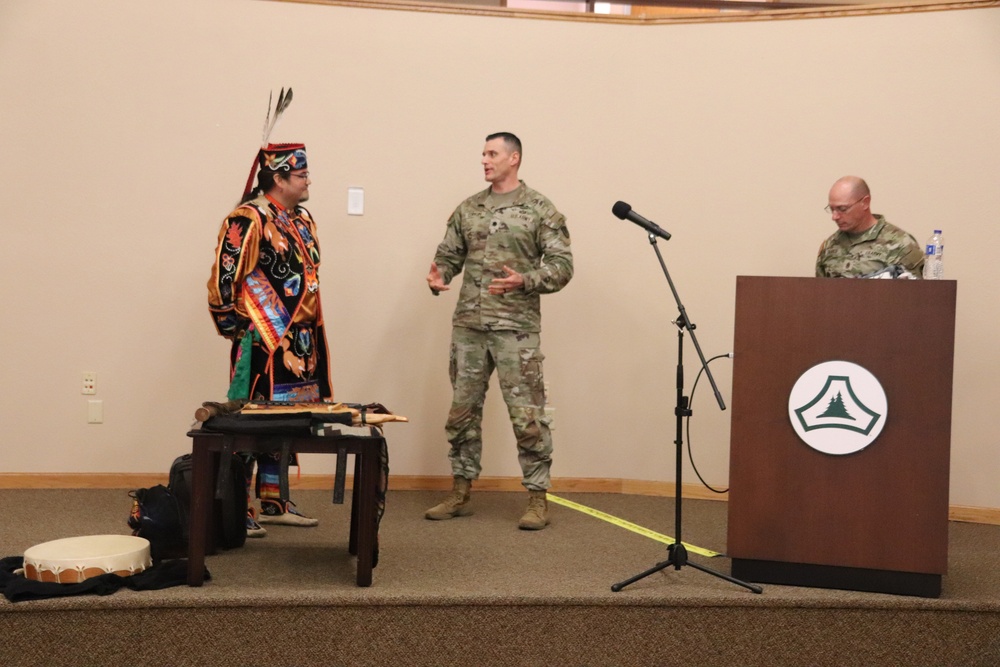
677, 552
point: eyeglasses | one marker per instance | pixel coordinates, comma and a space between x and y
304, 176
841, 209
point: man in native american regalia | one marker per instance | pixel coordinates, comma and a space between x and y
264, 297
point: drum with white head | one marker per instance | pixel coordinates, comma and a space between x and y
74, 559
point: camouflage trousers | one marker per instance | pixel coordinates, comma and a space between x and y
517, 359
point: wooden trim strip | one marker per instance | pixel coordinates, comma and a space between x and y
986, 515
66, 480
830, 11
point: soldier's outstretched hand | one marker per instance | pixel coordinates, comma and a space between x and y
435, 281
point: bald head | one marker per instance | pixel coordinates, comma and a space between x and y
850, 205
852, 187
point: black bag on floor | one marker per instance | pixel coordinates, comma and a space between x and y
157, 516
230, 509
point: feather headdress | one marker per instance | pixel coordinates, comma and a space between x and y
276, 156
269, 123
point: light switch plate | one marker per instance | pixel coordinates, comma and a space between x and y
355, 201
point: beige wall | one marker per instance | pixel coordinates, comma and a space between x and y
129, 129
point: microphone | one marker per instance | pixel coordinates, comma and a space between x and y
624, 212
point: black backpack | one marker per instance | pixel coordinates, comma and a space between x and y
230, 509
158, 517
161, 514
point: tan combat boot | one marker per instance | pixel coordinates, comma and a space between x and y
537, 515
457, 504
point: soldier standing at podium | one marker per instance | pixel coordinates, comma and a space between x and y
865, 243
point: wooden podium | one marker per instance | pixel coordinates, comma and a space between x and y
873, 520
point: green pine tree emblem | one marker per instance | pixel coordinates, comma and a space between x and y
837, 409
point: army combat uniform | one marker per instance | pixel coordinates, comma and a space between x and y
846, 255
523, 231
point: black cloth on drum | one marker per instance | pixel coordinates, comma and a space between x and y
18, 588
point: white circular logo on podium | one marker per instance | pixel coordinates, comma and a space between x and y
837, 407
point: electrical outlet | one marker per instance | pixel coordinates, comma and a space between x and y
89, 383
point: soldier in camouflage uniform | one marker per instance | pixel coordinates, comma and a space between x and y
864, 243
514, 246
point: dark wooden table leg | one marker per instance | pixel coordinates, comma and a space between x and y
201, 507
352, 545
367, 511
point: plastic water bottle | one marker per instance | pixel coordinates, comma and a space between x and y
934, 257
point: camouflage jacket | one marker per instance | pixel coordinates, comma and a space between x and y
854, 255
528, 235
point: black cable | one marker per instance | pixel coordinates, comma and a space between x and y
688, 424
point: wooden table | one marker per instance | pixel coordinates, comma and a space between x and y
207, 448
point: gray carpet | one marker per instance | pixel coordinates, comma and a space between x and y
479, 586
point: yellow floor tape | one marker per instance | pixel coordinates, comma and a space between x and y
628, 525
